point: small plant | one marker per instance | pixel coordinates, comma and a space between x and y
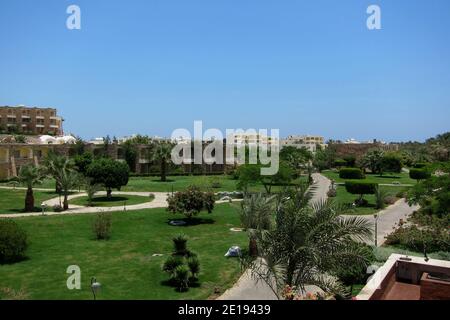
13, 241
181, 278
380, 198
332, 193
57, 208
215, 183
180, 244
171, 264
194, 266
102, 226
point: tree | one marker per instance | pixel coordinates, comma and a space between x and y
361, 188
83, 161
308, 242
351, 173
324, 158
372, 160
91, 189
68, 179
256, 215
249, 174
29, 176
55, 164
191, 202
390, 163
109, 173
296, 158
162, 154
130, 154
419, 174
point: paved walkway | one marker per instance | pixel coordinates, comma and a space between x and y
248, 288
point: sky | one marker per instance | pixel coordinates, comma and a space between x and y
304, 67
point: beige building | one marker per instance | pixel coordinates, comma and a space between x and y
306, 141
28, 120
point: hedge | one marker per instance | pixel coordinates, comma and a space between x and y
340, 163
420, 165
419, 174
351, 173
361, 188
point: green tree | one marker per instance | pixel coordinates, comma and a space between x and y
54, 165
191, 202
83, 161
391, 162
162, 154
296, 158
308, 242
109, 173
29, 176
372, 160
68, 179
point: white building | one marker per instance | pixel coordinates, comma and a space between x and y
309, 142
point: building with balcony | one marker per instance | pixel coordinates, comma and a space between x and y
306, 141
30, 120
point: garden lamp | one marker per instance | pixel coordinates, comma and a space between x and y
376, 229
95, 287
43, 206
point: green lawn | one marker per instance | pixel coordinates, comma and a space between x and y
403, 178
13, 201
124, 264
114, 201
347, 198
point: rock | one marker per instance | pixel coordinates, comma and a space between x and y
234, 252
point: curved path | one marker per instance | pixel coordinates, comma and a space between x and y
247, 288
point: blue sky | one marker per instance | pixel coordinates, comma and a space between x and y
147, 66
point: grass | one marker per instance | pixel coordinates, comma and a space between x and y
13, 201
347, 198
111, 202
403, 178
124, 264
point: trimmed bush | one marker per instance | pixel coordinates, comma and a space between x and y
419, 174
420, 165
361, 188
13, 241
102, 226
191, 202
350, 161
340, 163
351, 173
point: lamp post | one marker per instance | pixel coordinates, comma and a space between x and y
43, 206
95, 287
376, 229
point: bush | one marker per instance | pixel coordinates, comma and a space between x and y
340, 163
194, 266
415, 239
181, 277
13, 241
354, 187
419, 174
57, 208
332, 193
390, 200
180, 244
420, 165
171, 264
191, 202
351, 173
350, 161
102, 226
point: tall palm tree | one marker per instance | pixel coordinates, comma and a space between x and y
68, 180
256, 215
162, 154
55, 164
308, 243
29, 176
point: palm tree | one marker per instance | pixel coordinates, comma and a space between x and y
68, 179
162, 154
29, 176
55, 164
309, 242
256, 215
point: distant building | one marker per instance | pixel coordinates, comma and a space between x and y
306, 141
251, 139
27, 120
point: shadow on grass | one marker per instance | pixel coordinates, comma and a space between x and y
167, 181
195, 221
14, 261
172, 283
112, 199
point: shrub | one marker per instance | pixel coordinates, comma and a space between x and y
380, 198
171, 264
340, 163
361, 188
57, 208
180, 244
13, 241
391, 163
389, 200
191, 202
415, 239
350, 161
419, 174
332, 193
194, 266
351, 173
420, 165
102, 226
181, 277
